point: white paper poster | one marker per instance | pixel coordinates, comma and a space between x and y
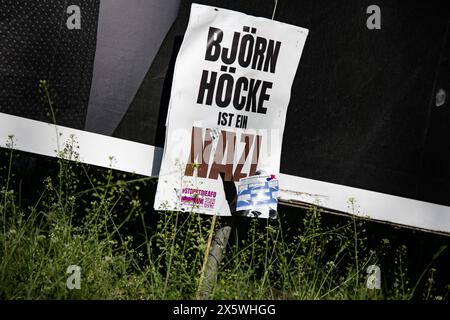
230, 93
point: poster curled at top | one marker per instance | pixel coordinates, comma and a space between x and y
230, 93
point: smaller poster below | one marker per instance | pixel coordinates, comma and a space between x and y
257, 196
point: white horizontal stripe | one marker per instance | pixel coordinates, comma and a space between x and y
39, 137
370, 204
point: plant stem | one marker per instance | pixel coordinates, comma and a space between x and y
205, 258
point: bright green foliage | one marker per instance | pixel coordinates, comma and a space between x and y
101, 223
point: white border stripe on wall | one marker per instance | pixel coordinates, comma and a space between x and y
365, 203
41, 138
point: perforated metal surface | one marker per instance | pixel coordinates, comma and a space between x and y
35, 44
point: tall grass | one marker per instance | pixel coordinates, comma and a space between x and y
101, 222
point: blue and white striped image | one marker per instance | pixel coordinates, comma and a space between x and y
258, 192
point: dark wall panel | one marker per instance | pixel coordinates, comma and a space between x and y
363, 109
360, 102
435, 175
360, 111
